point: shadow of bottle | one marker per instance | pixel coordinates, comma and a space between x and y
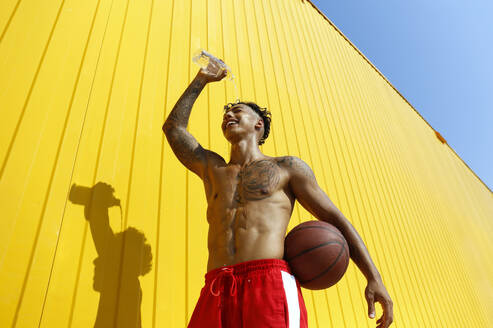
122, 258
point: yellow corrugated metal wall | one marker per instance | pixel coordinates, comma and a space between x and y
85, 87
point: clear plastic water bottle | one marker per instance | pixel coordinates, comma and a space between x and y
203, 58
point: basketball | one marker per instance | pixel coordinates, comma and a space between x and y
317, 253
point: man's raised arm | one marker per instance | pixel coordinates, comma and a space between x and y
184, 145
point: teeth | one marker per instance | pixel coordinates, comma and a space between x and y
230, 123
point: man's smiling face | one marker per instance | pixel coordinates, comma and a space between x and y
240, 121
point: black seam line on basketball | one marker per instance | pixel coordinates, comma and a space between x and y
311, 249
326, 270
314, 227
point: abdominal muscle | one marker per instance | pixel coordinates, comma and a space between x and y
246, 233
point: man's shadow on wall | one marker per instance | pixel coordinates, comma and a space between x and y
122, 258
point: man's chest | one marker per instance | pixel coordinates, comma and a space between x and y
255, 181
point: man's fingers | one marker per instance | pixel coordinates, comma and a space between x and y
382, 323
371, 305
221, 74
389, 313
387, 318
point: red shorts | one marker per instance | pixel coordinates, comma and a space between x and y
252, 294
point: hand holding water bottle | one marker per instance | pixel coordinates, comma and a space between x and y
212, 69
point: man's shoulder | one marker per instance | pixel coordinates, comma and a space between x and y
287, 161
294, 165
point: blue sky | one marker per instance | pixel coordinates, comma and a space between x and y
439, 55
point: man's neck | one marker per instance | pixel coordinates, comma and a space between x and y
244, 152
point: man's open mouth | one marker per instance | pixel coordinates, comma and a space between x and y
230, 123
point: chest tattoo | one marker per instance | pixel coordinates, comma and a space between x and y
256, 181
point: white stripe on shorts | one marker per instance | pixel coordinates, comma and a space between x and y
291, 290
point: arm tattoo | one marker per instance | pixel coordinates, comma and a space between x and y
183, 144
185, 147
181, 111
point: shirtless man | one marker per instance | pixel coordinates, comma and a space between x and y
250, 201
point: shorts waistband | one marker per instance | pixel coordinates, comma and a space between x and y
244, 268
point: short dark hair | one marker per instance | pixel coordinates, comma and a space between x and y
262, 112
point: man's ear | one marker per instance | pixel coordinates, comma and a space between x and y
260, 126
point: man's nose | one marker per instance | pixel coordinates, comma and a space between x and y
228, 115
